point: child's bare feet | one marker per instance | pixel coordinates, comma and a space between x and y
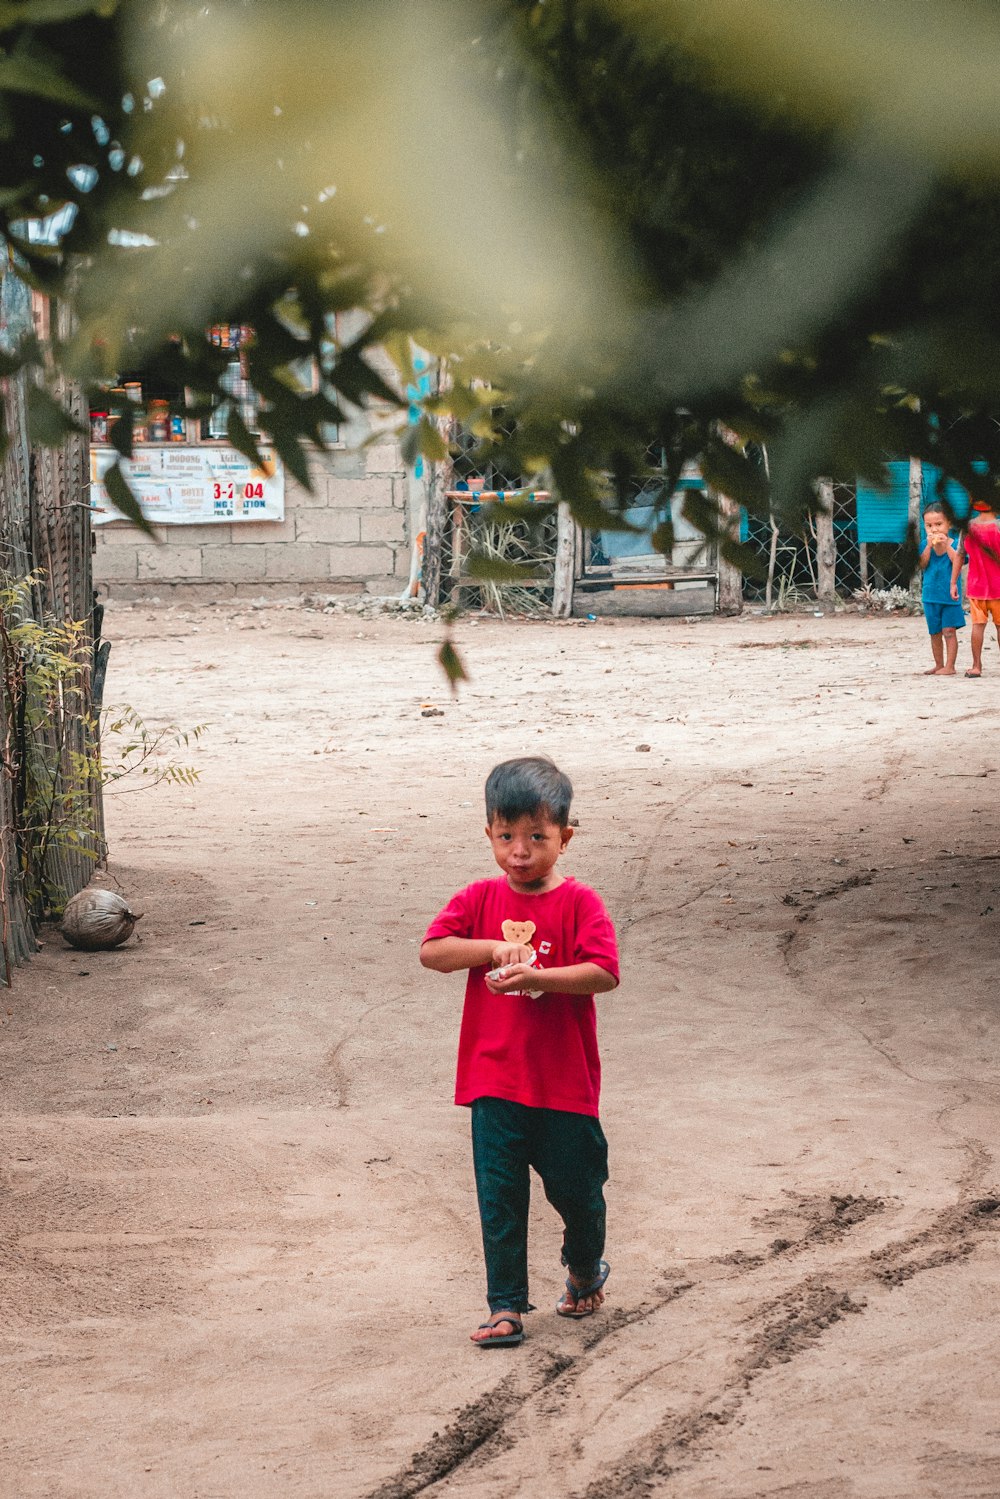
945, 671
932, 671
503, 1330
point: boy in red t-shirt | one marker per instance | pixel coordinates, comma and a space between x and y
538, 947
981, 544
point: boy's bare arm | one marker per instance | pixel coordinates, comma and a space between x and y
956, 567
925, 555
450, 954
577, 978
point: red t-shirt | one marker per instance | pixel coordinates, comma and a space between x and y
982, 547
540, 1052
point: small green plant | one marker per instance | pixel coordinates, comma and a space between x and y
129, 747
57, 753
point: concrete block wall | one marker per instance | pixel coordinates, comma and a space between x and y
349, 535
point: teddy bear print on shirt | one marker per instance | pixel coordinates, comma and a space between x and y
521, 933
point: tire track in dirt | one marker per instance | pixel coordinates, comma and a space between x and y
885, 778
793, 943
627, 918
792, 1314
472, 1431
784, 1327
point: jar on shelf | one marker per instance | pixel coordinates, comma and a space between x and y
159, 421
99, 426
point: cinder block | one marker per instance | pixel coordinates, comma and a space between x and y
290, 589
384, 458
359, 494
184, 536
360, 562
341, 526
400, 491
297, 560
383, 525
345, 463
256, 531
116, 564
297, 497
119, 534
284, 588
234, 564
169, 562
402, 562
195, 593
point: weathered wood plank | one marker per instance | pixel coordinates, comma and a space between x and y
652, 603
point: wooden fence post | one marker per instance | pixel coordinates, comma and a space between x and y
730, 577
913, 514
826, 545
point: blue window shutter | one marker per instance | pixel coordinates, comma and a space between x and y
883, 513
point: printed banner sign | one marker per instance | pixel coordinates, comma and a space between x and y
192, 486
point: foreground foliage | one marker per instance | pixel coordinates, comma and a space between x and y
634, 226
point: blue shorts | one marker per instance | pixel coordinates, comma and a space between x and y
950, 616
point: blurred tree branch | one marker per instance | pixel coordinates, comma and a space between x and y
633, 220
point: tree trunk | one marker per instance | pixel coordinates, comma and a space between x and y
826, 546
437, 515
730, 577
563, 576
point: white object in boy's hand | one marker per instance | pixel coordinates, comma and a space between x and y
499, 974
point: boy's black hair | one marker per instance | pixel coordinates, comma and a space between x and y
936, 508
526, 787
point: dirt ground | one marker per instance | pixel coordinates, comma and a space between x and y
239, 1246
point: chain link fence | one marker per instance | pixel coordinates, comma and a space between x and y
787, 571
862, 570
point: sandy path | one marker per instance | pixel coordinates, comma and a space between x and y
239, 1248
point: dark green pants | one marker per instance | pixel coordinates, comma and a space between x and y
570, 1154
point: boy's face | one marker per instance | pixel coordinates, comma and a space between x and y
527, 850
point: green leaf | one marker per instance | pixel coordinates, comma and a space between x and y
29, 75
292, 454
11, 195
44, 12
423, 439
497, 570
121, 431
124, 500
242, 438
49, 424
451, 663
662, 539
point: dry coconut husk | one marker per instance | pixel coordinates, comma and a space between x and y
96, 918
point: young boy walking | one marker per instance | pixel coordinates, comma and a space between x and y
981, 544
943, 613
538, 946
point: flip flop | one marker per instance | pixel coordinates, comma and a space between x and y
975, 675
506, 1339
580, 1293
